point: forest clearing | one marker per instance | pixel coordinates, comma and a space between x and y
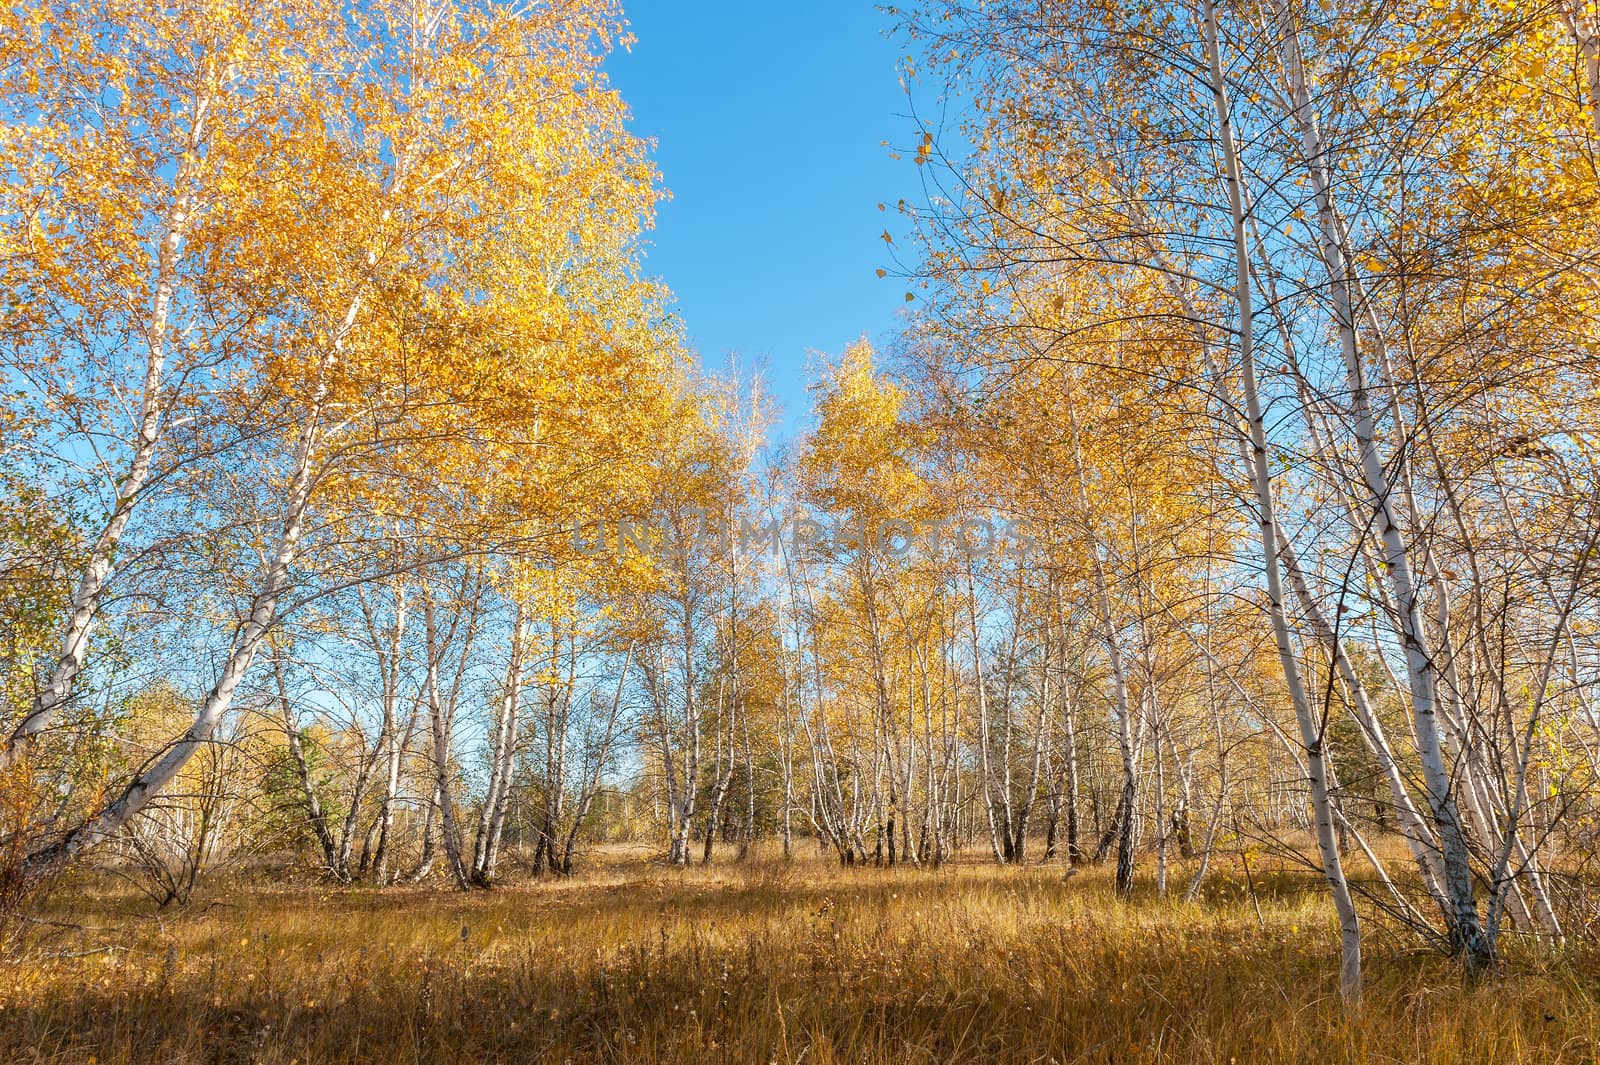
963, 530
761, 961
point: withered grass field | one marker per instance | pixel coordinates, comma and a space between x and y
762, 962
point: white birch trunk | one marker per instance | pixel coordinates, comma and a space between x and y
1466, 932
1310, 727
440, 728
261, 617
84, 605
502, 758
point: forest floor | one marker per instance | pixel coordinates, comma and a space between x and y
762, 961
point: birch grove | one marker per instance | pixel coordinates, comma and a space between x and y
1229, 488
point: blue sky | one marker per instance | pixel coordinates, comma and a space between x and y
769, 120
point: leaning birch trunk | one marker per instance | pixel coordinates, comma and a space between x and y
1370, 725
497, 822
84, 606
1466, 932
358, 795
258, 621
1310, 729
400, 740
262, 615
1403, 906
1419, 838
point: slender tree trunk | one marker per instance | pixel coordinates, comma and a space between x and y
84, 606
747, 837
502, 757
1466, 932
400, 740
1124, 823
981, 704
439, 721
313, 803
1310, 727
389, 739
260, 618
1074, 830
430, 841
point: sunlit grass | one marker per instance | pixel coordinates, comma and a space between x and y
631, 961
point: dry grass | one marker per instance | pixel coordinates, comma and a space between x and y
631, 962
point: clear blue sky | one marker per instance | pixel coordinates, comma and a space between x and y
769, 119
